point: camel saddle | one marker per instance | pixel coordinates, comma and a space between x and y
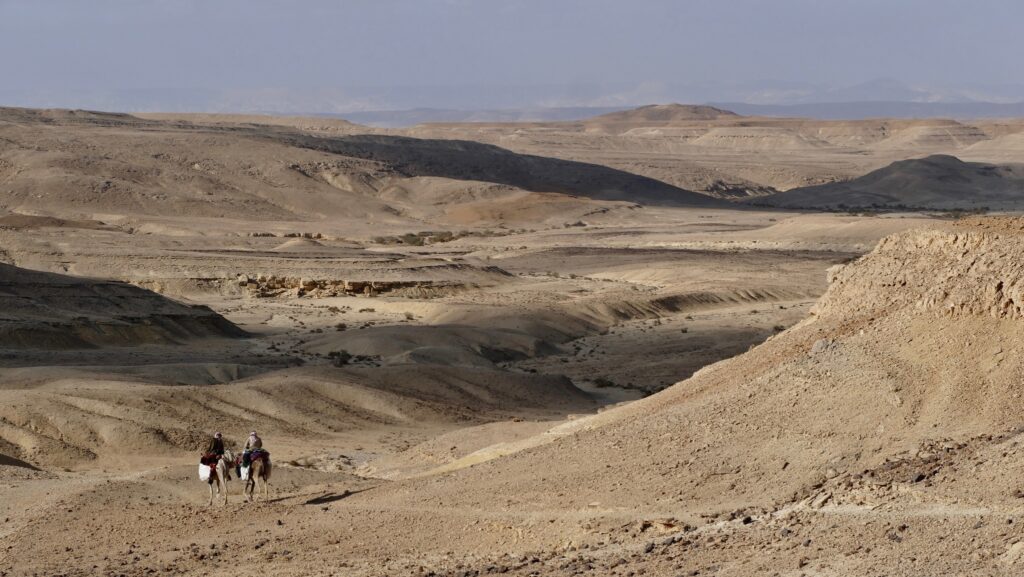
257, 454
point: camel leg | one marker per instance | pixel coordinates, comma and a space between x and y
254, 475
211, 494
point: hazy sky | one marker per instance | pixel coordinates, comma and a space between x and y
78, 46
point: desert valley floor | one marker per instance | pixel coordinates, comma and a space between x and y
673, 341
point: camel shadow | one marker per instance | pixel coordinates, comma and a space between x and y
332, 497
12, 462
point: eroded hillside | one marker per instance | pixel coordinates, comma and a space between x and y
447, 393
891, 414
50, 311
99, 165
930, 183
886, 420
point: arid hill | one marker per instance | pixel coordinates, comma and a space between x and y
725, 155
882, 430
606, 388
900, 392
473, 161
318, 124
50, 311
89, 165
657, 115
935, 182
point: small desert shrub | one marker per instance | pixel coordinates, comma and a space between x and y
412, 239
340, 358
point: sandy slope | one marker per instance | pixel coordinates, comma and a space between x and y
900, 390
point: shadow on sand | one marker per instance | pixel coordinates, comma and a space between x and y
332, 497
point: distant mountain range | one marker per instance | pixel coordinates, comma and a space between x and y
879, 109
402, 118
816, 110
397, 106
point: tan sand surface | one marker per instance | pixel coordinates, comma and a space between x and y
567, 356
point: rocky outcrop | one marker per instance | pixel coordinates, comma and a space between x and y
274, 286
972, 268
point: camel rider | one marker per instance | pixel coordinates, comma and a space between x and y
216, 445
214, 451
252, 443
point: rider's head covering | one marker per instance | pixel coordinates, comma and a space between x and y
252, 433
216, 435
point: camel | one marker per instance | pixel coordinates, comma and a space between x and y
219, 475
259, 471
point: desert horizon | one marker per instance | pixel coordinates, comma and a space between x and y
575, 326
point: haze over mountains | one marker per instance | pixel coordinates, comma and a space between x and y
402, 106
